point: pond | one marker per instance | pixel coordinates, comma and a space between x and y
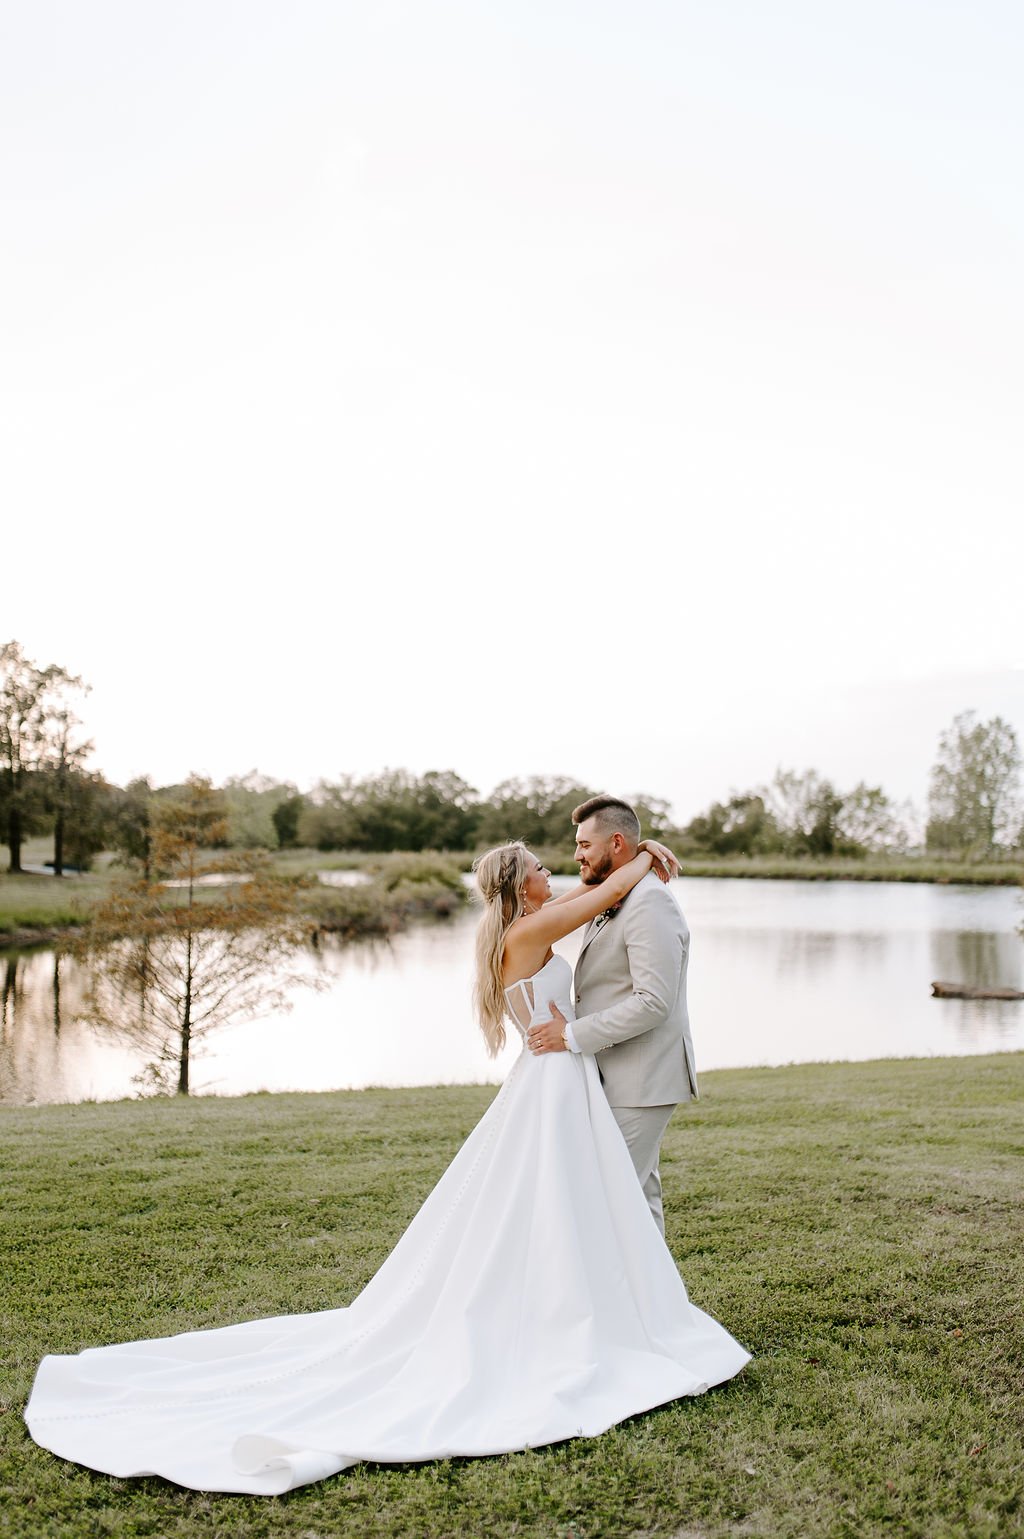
780, 972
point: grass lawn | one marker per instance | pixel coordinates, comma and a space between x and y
858, 1227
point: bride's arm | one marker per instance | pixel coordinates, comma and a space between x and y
556, 920
665, 866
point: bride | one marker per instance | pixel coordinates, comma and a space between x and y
531, 1299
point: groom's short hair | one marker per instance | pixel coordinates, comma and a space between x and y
614, 816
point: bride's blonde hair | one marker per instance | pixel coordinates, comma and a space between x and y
501, 876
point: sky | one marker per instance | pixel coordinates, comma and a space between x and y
626, 392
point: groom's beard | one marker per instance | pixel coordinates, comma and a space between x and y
597, 870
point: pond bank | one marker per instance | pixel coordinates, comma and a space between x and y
38, 910
44, 910
809, 869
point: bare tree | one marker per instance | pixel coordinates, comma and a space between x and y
174, 958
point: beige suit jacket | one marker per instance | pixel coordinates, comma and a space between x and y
630, 988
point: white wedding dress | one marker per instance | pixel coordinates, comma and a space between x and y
531, 1299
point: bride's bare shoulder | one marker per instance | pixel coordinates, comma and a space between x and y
523, 954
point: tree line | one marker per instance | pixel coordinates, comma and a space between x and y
974, 803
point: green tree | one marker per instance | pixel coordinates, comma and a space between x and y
328, 819
131, 824
537, 809
89, 803
251, 801
172, 958
805, 809
826, 807
870, 823
394, 810
449, 811
740, 826
286, 817
388, 812
29, 698
974, 795
67, 787
655, 814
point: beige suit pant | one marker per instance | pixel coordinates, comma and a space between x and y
643, 1128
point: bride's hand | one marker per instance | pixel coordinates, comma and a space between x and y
666, 866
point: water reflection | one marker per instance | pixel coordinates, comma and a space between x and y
47, 1051
58, 958
11, 965
815, 951
978, 958
780, 972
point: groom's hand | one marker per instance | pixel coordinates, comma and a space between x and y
546, 1036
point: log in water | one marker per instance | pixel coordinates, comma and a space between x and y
964, 991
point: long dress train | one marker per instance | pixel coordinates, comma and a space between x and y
531, 1299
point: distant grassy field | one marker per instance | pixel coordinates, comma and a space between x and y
42, 902
872, 869
993, 874
858, 1227
400, 887
834, 869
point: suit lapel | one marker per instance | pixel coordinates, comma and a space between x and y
588, 936
594, 929
591, 933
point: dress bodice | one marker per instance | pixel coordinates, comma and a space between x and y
528, 998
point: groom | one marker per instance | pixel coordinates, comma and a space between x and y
630, 986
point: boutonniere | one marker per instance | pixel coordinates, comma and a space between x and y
608, 914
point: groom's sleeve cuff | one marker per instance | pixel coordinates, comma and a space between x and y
570, 1037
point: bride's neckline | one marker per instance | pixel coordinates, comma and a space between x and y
508, 986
